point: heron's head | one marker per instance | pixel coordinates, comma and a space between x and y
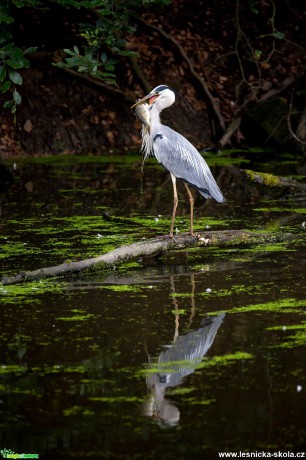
162, 96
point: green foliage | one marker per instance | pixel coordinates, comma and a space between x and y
106, 34
90, 63
102, 41
11, 59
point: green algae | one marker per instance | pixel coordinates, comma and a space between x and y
13, 369
235, 289
224, 360
74, 411
123, 287
68, 237
229, 292
60, 369
167, 367
289, 305
268, 247
173, 366
290, 327
127, 266
181, 295
281, 210
29, 292
203, 223
76, 317
298, 339
179, 311
65, 161
116, 399
190, 401
180, 391
264, 178
14, 248
224, 161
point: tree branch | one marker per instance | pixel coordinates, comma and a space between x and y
233, 127
140, 76
300, 141
99, 85
288, 81
200, 80
236, 121
151, 248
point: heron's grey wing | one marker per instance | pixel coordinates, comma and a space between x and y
187, 352
182, 159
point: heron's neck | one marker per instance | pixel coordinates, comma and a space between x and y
155, 118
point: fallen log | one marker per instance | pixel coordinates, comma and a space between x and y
270, 180
152, 248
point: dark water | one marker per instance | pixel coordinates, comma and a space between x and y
200, 352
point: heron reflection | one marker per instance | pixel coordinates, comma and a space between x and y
174, 364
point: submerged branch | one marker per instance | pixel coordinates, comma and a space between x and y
151, 248
270, 180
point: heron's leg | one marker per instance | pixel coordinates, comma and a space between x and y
191, 199
175, 202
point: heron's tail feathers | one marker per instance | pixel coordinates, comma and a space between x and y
213, 192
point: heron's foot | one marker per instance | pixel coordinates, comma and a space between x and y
173, 237
193, 233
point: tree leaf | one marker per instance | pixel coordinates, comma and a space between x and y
15, 77
70, 52
18, 63
8, 104
5, 86
5, 35
30, 50
127, 53
14, 52
2, 73
16, 96
5, 15
279, 35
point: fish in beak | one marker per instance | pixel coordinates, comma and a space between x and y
149, 98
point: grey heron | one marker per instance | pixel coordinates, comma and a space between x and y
175, 152
174, 364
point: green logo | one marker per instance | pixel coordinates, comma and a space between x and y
8, 453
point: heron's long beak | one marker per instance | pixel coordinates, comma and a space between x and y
149, 97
